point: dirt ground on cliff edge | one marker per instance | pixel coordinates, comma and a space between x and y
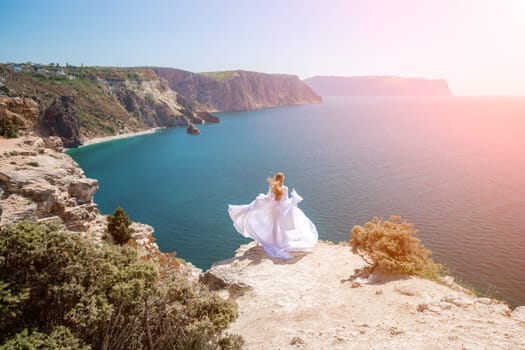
309, 302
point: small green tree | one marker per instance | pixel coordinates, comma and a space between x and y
7, 128
391, 246
119, 226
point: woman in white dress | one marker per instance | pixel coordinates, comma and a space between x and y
275, 221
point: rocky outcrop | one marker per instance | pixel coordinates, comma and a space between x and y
91, 102
192, 129
61, 120
154, 103
238, 90
41, 184
24, 113
314, 301
150, 101
207, 117
378, 86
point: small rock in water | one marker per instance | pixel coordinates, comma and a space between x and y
192, 129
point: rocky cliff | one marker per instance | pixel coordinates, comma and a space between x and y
311, 302
238, 90
80, 103
378, 86
39, 183
23, 113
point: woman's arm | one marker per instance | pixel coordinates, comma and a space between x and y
296, 197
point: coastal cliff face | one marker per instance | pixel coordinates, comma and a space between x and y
310, 302
238, 90
378, 86
80, 103
39, 183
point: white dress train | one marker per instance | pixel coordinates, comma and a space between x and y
279, 226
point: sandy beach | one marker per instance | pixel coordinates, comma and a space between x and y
119, 136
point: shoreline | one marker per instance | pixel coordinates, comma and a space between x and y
103, 139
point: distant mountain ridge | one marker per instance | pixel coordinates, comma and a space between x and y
238, 90
377, 86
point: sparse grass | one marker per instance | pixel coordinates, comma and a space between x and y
465, 287
220, 76
96, 124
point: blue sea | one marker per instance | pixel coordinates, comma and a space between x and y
454, 166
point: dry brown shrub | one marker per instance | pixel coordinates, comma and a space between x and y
390, 245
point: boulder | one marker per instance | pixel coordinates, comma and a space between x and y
192, 129
519, 314
55, 143
41, 184
83, 190
22, 112
208, 117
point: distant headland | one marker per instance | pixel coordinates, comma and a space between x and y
378, 86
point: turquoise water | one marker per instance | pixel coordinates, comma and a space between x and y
453, 166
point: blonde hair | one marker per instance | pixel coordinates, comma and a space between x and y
276, 185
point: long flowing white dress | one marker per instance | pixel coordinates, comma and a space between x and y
279, 226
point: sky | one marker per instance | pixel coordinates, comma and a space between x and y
477, 45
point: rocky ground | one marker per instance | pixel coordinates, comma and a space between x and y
310, 302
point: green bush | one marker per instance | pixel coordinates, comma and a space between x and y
101, 295
4, 90
119, 226
60, 338
7, 128
391, 246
